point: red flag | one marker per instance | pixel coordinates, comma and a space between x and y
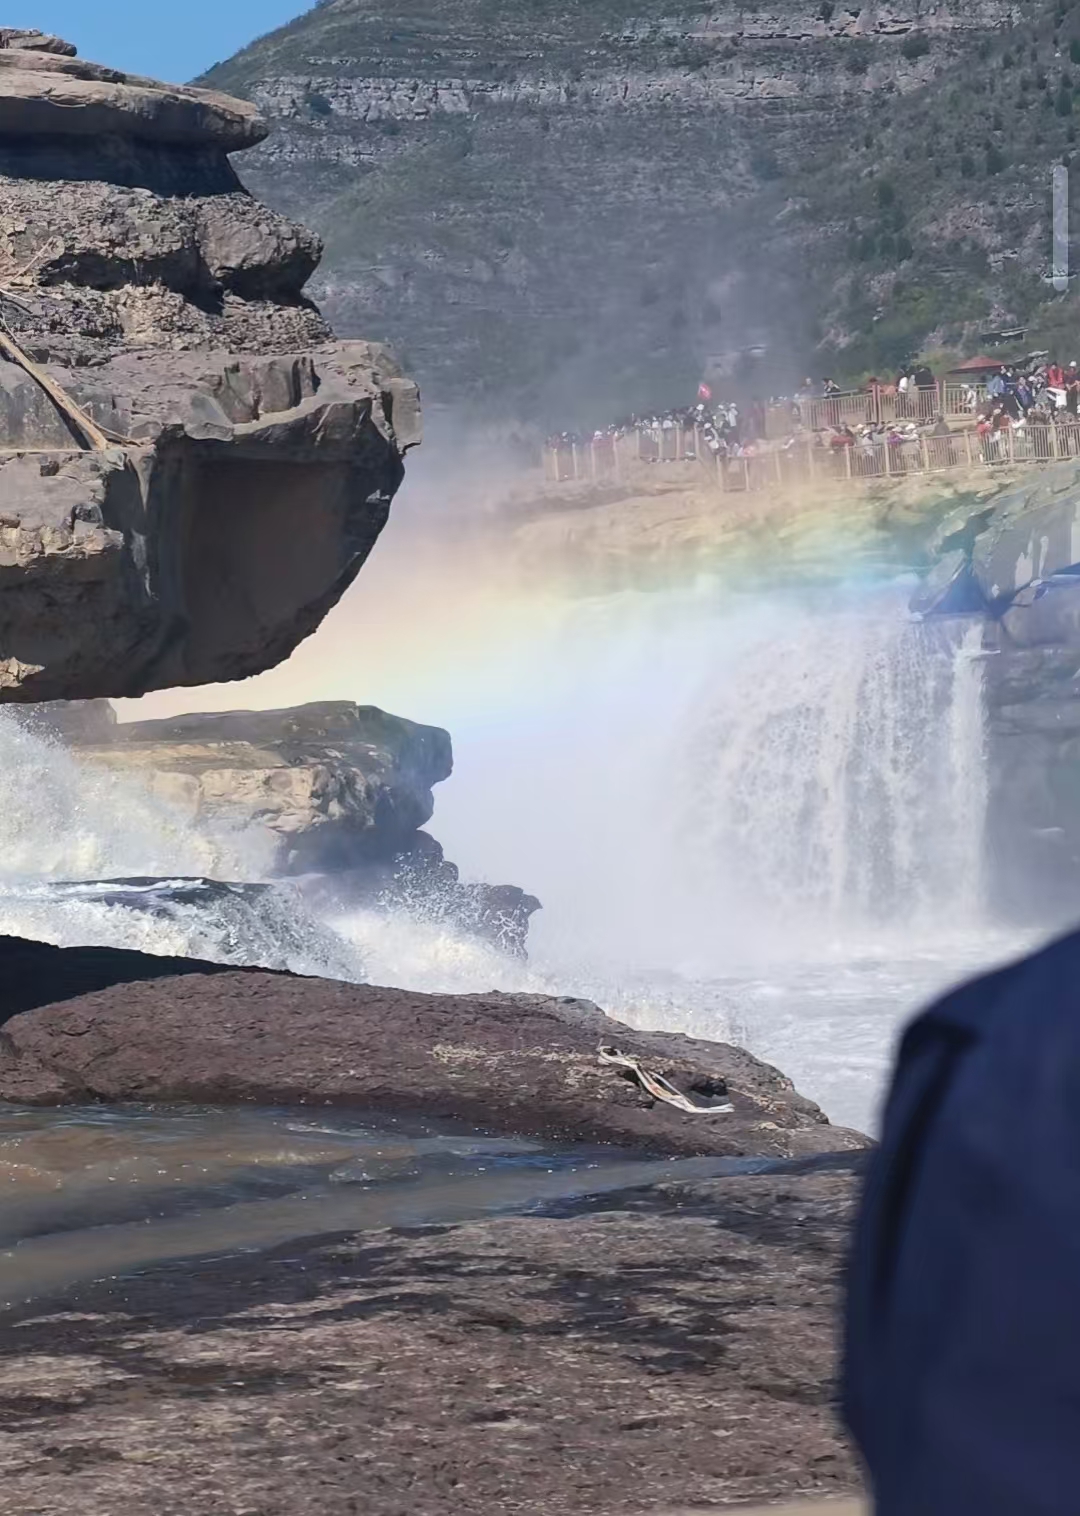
704, 392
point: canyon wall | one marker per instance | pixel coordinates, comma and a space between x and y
559, 211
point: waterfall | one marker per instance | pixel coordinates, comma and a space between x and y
754, 817
692, 782
63, 819
837, 781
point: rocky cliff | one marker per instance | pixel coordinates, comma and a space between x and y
191, 470
562, 210
333, 785
339, 792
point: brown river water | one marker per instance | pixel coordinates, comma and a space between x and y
102, 1192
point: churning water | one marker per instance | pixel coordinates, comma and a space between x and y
759, 818
89, 856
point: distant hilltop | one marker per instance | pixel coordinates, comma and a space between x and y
548, 207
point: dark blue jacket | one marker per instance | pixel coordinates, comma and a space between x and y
962, 1373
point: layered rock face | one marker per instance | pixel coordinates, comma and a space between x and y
624, 191
191, 471
339, 791
333, 785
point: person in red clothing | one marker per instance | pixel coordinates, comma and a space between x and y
1055, 376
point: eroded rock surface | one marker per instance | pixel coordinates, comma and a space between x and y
334, 785
216, 469
340, 792
675, 1349
516, 1064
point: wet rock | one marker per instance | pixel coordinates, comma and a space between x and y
36, 973
949, 588
515, 1064
339, 791
1033, 534
1046, 616
670, 1349
421, 882
193, 472
333, 785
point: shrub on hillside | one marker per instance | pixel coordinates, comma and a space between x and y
915, 45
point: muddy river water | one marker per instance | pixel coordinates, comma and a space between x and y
95, 1193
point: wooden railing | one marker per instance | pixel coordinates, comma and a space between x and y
955, 400
808, 461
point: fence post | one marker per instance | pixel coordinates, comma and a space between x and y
924, 448
847, 461
967, 446
1055, 452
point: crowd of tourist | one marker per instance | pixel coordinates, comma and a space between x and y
886, 426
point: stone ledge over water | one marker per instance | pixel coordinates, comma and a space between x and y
522, 1065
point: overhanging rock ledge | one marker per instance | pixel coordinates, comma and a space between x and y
192, 471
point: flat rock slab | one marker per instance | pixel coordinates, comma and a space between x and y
46, 91
514, 1064
677, 1350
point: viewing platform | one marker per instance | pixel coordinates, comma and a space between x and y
812, 456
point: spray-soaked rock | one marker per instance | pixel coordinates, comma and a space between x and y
191, 471
330, 785
332, 793
523, 1065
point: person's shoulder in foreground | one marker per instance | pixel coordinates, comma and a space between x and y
962, 1371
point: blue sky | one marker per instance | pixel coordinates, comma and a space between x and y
170, 39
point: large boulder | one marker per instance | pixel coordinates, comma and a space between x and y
47, 91
339, 792
516, 1064
333, 785
192, 471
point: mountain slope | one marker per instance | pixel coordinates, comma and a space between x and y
555, 210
